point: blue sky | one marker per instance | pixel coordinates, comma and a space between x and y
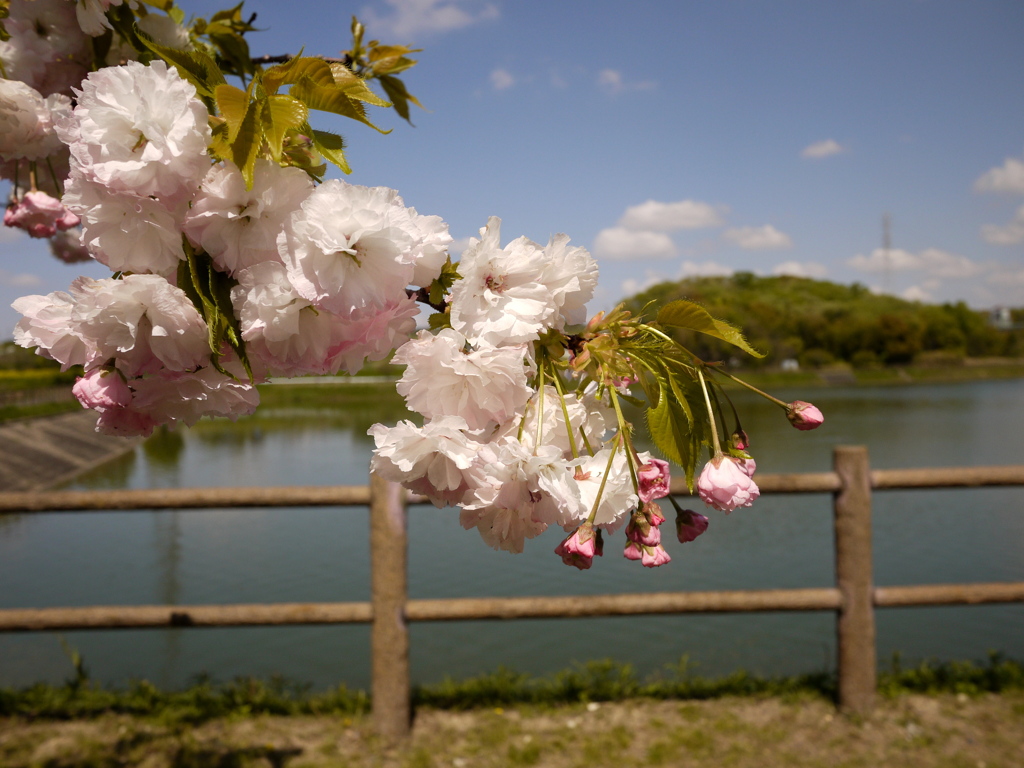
675, 138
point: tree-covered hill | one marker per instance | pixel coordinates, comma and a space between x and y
819, 322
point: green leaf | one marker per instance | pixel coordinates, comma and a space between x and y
195, 66
330, 145
686, 314
665, 425
232, 104
210, 292
233, 48
355, 87
281, 114
400, 97
246, 144
331, 98
439, 320
228, 14
293, 70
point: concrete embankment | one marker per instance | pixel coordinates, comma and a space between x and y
36, 454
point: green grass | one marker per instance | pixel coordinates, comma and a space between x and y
595, 681
39, 410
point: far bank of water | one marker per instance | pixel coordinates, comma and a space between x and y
298, 555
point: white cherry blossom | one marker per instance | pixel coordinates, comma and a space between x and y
27, 121
142, 322
349, 247
127, 233
239, 227
571, 276
437, 460
508, 506
500, 298
485, 385
139, 130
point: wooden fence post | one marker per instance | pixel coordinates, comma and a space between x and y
389, 635
855, 624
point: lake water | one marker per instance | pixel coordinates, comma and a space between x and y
241, 556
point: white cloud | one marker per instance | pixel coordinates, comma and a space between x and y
1009, 177
613, 81
801, 269
459, 245
931, 261
820, 149
502, 79
917, 293
413, 17
1011, 233
704, 269
632, 286
620, 243
667, 217
758, 238
21, 280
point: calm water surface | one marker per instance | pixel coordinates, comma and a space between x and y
240, 556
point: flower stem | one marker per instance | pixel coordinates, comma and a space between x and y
32, 176
53, 174
565, 412
711, 414
672, 341
540, 408
604, 478
624, 431
752, 388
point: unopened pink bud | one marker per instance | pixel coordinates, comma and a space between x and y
40, 214
739, 440
641, 531
102, 388
690, 525
654, 556
725, 485
804, 416
579, 548
633, 551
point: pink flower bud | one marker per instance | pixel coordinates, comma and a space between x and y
654, 480
724, 485
654, 556
739, 440
804, 416
641, 531
40, 215
633, 551
653, 514
690, 525
102, 388
579, 548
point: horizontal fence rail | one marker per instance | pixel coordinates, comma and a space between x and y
359, 495
853, 599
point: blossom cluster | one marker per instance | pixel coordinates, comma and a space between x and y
49, 51
512, 439
317, 275
225, 275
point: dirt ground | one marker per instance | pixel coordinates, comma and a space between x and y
947, 731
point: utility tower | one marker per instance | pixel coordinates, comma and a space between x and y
886, 253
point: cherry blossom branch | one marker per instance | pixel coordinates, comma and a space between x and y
751, 387
422, 295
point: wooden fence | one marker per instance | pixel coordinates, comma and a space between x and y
853, 598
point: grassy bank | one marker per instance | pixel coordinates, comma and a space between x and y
598, 716
599, 681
